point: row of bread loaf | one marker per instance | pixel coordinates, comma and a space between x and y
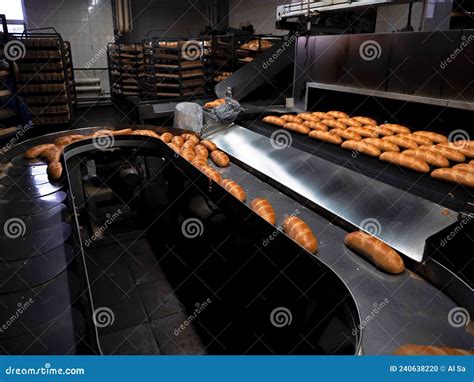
389, 142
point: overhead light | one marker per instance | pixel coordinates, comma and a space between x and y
91, 8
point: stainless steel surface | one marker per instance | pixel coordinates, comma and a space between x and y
15, 208
416, 312
400, 219
27, 192
396, 96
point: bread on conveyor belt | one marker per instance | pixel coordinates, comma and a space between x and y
300, 232
361, 147
364, 132
177, 141
189, 144
434, 137
201, 151
175, 148
220, 158
430, 157
400, 141
419, 139
338, 114
190, 137
272, 120
396, 128
188, 154
452, 155
234, 189
68, 139
308, 117
465, 167
297, 127
382, 144
315, 125
430, 350
346, 134
146, 133
365, 120
263, 208
460, 146
350, 122
215, 103
36, 151
322, 115
333, 124
405, 161
55, 170
381, 131
376, 251
325, 136
124, 132
166, 137
199, 161
211, 173
454, 175
209, 145
291, 118
52, 154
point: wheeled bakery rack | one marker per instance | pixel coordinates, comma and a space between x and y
70, 73
173, 68
44, 79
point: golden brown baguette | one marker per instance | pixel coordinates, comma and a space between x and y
190, 137
209, 145
429, 157
322, 115
234, 189
325, 136
189, 144
396, 128
315, 125
382, 145
220, 158
199, 162
350, 122
175, 148
411, 349
364, 132
381, 131
55, 170
187, 154
300, 232
419, 139
308, 117
376, 251
68, 139
333, 124
36, 151
433, 137
465, 167
297, 127
263, 208
52, 154
272, 120
201, 151
405, 161
166, 137
463, 148
211, 173
361, 147
177, 141
346, 134
452, 155
338, 114
291, 118
454, 175
404, 142
365, 120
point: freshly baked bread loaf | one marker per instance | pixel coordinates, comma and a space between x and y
433, 137
201, 151
291, 118
211, 173
263, 208
300, 232
376, 251
214, 104
209, 145
365, 120
452, 155
272, 120
177, 141
405, 161
350, 122
315, 125
380, 130
463, 148
338, 114
187, 154
325, 136
382, 144
55, 170
220, 158
397, 129
404, 142
454, 175
233, 188
36, 151
297, 127
199, 161
346, 134
465, 167
334, 124
166, 137
361, 147
322, 115
364, 132
308, 117
419, 139
429, 157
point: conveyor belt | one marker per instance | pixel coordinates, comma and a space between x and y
448, 195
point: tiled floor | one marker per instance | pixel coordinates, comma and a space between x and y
146, 311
